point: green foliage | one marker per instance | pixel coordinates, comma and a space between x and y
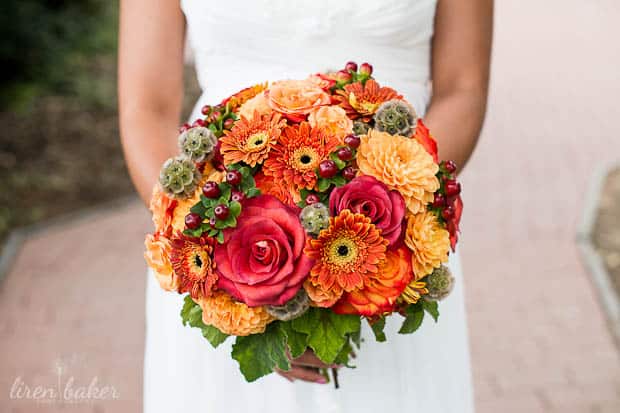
413, 319
377, 328
191, 314
259, 354
432, 308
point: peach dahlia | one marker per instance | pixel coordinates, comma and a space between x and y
233, 317
428, 241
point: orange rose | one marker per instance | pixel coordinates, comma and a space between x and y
157, 256
296, 98
162, 209
332, 119
258, 103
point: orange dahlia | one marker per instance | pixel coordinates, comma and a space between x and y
381, 290
428, 241
251, 139
268, 186
402, 164
192, 260
233, 317
347, 253
362, 100
299, 151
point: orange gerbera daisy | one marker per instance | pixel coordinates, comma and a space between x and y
250, 140
347, 253
233, 317
362, 100
381, 290
299, 151
192, 261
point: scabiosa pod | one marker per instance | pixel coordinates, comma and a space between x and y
439, 283
360, 128
293, 308
314, 218
197, 143
179, 177
396, 117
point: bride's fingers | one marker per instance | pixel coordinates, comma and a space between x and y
303, 373
309, 359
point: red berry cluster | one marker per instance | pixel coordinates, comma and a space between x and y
351, 74
446, 197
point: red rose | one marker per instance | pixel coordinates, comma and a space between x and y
366, 195
261, 261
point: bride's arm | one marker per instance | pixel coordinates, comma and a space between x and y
150, 85
460, 72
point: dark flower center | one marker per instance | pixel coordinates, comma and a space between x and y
305, 159
198, 261
343, 250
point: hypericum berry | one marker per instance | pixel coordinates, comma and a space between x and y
206, 109
233, 177
439, 201
450, 166
352, 141
343, 76
212, 221
328, 168
345, 153
228, 123
184, 127
366, 69
198, 123
448, 213
452, 187
211, 190
351, 66
193, 221
348, 173
237, 196
221, 212
312, 199
218, 160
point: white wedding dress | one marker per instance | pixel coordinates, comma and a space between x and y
243, 42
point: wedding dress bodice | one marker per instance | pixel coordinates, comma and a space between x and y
242, 42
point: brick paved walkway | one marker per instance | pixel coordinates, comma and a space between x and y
539, 339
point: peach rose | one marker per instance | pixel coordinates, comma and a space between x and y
157, 257
333, 119
258, 103
296, 98
322, 80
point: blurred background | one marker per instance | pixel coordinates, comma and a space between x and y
541, 234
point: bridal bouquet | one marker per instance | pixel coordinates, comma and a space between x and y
298, 209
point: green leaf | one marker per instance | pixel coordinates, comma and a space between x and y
323, 184
344, 356
259, 354
235, 208
247, 183
226, 191
339, 162
377, 328
432, 308
338, 180
297, 342
413, 320
356, 338
199, 209
208, 202
327, 331
253, 192
191, 314
245, 171
220, 237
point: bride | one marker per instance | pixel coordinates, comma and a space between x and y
243, 42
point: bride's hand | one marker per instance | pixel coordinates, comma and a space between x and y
307, 368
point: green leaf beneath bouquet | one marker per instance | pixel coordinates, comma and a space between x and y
377, 328
327, 331
297, 342
413, 319
191, 314
432, 308
259, 354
